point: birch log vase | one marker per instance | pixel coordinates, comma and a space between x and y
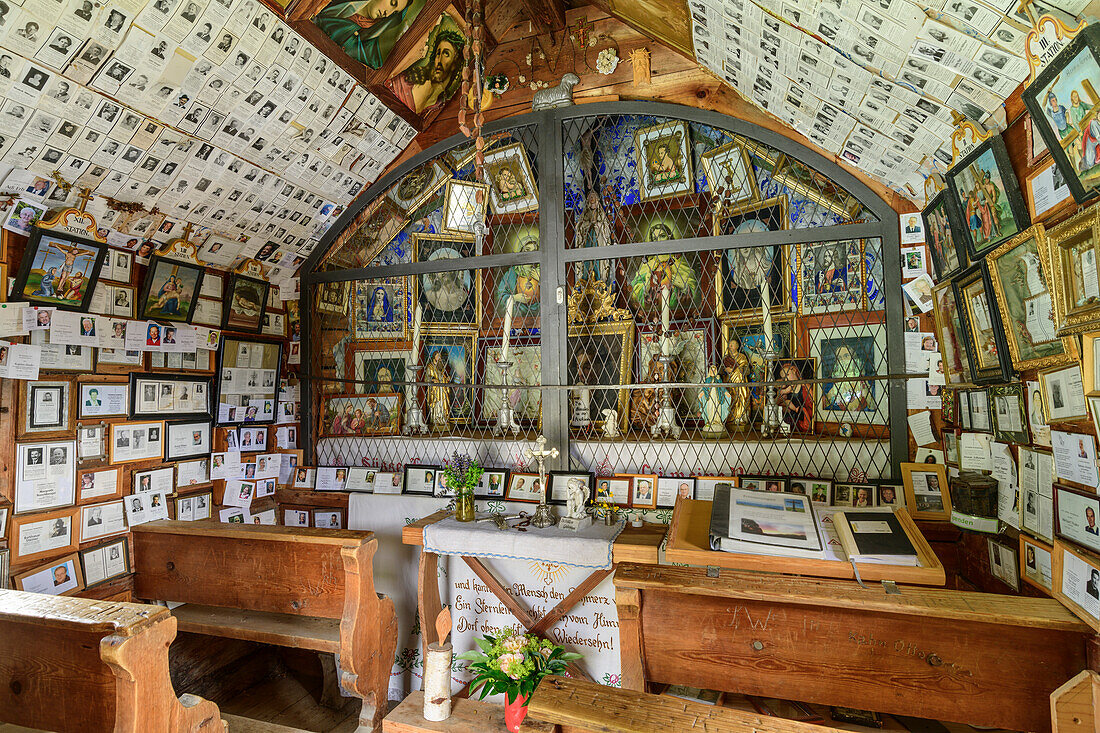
437, 671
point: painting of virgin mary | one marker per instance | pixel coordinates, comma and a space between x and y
380, 310
368, 29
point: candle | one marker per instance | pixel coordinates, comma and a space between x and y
766, 302
437, 681
416, 335
666, 295
507, 327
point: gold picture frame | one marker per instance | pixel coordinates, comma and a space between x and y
1016, 269
433, 335
806, 306
727, 294
624, 330
511, 159
1090, 342
461, 210
950, 335
463, 246
725, 158
1074, 247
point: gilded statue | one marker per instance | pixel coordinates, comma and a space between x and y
439, 394
737, 369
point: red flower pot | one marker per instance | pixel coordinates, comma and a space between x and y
514, 712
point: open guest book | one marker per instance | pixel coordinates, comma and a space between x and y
765, 523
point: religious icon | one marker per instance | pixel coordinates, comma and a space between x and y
730, 174
430, 81
736, 368
377, 414
368, 29
987, 197
940, 235
419, 184
380, 307
449, 367
170, 290
746, 271
58, 271
846, 356
511, 183
450, 296
464, 207
831, 277
524, 378
520, 282
600, 354
795, 401
663, 154
714, 404
245, 304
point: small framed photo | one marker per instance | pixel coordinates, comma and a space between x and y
854, 495
465, 205
1009, 415
153, 481
102, 520
5, 566
419, 479
304, 477
643, 491
671, 488
45, 475
525, 487
245, 304
47, 533
559, 485
328, 518
60, 577
331, 478
1036, 563
193, 473
91, 442
819, 490
1004, 563
194, 508
386, 482
493, 483
890, 495
137, 441
926, 492
102, 399
705, 486
663, 155
106, 562
47, 409
251, 440
1077, 582
187, 439
181, 396
1077, 517
5, 511
1090, 370
613, 490
1063, 394
762, 483
170, 290
296, 517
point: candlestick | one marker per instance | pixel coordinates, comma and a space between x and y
507, 327
666, 317
416, 334
766, 302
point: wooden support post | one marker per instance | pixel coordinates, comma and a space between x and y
330, 682
427, 599
628, 601
1073, 705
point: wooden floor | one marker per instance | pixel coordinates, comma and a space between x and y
283, 700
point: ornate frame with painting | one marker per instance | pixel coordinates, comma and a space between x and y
950, 335
848, 354
70, 265
359, 414
447, 298
1064, 106
512, 187
332, 298
729, 168
245, 303
380, 309
797, 402
986, 172
941, 222
739, 267
926, 494
462, 212
985, 340
663, 155
1075, 272
1018, 270
419, 184
170, 290
692, 343
379, 371
457, 352
826, 287
525, 353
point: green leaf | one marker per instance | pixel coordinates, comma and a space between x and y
485, 644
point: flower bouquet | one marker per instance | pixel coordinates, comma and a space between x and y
462, 474
514, 664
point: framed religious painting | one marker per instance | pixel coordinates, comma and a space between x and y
663, 155
950, 335
512, 187
449, 357
245, 302
452, 297
170, 290
521, 284
1063, 103
380, 309
795, 396
831, 277
464, 207
1019, 272
987, 195
418, 185
692, 344
524, 377
47, 409
941, 222
1074, 251
742, 289
686, 276
985, 341
356, 414
730, 174
1090, 366
1007, 405
332, 298
846, 356
600, 353
58, 270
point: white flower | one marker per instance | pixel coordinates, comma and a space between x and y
522, 78
607, 61
515, 644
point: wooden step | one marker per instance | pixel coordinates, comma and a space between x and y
237, 724
265, 627
467, 716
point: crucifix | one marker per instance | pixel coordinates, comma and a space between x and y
542, 517
83, 199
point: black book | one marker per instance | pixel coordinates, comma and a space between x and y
874, 537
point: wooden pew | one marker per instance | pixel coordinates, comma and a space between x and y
961, 657
288, 586
88, 666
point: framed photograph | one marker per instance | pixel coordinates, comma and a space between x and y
1077, 516
890, 495
5, 568
1036, 563
464, 207
170, 290
844, 354
831, 277
247, 382
559, 485
926, 493
1077, 582
452, 297
1063, 394
729, 168
192, 473
245, 303
47, 409
246, 440
941, 221
187, 439
643, 491
102, 399
493, 483
601, 353
60, 577
42, 534
663, 155
418, 185
1090, 369
102, 520
106, 562
855, 495
419, 479
1004, 563
45, 475
58, 270
820, 491
985, 341
671, 488
1063, 109
987, 195
1048, 193
356, 414
950, 335
138, 441
512, 187
328, 518
1018, 271
762, 483
195, 508
979, 413
380, 309
181, 396
448, 356
705, 486
526, 487
62, 357
332, 298
1074, 250
1009, 413
613, 490
5, 512
739, 272
1037, 492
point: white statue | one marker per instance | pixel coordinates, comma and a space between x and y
610, 422
576, 498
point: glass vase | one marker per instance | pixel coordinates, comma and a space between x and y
464, 507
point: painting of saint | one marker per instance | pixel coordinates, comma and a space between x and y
418, 185
511, 183
990, 211
941, 239
449, 296
648, 277
170, 290
831, 276
521, 282
795, 401
526, 371
59, 272
846, 357
449, 360
664, 163
430, 82
380, 308
745, 267
368, 29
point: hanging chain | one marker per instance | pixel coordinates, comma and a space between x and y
472, 82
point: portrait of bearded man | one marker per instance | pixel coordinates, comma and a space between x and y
429, 84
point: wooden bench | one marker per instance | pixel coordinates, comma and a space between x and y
288, 586
87, 666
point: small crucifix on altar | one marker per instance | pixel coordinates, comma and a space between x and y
543, 518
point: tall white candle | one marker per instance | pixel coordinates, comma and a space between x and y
766, 303
507, 327
416, 335
666, 319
